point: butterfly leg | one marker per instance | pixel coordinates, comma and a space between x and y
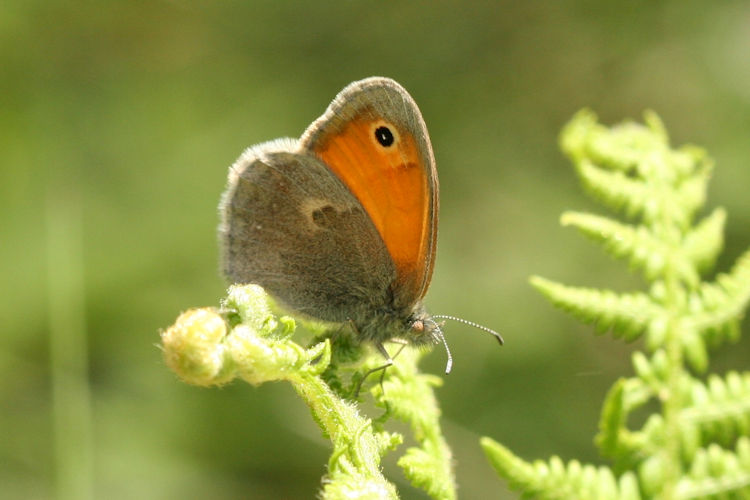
388, 362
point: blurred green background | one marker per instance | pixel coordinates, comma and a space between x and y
118, 121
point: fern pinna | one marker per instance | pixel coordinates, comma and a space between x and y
698, 445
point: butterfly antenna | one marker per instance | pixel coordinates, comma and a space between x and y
471, 323
449, 363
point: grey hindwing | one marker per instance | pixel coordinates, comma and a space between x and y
291, 226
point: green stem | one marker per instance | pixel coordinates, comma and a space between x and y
672, 399
338, 419
71, 399
672, 407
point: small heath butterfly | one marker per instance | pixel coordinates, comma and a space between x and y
341, 224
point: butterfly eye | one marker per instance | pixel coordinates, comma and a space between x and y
384, 136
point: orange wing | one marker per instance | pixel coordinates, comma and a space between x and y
396, 184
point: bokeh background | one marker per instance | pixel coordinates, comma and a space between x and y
118, 121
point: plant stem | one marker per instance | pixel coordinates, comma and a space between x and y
672, 399
71, 399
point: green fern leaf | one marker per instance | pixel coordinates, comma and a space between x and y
719, 306
615, 189
683, 450
721, 408
718, 473
612, 420
691, 193
694, 349
626, 315
618, 148
653, 372
614, 439
555, 480
631, 168
422, 469
643, 249
408, 396
704, 242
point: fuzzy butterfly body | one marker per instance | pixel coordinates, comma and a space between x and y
341, 225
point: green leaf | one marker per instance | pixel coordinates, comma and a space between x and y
557, 480
408, 395
612, 420
622, 147
638, 244
691, 191
721, 408
682, 449
626, 315
614, 439
717, 307
703, 243
718, 473
616, 190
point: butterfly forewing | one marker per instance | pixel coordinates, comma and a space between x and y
374, 139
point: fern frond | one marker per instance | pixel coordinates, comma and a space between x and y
636, 243
408, 396
625, 396
614, 189
626, 315
718, 473
612, 421
631, 168
651, 372
721, 408
691, 192
703, 243
719, 306
609, 161
683, 450
619, 148
694, 348
556, 480
614, 439
423, 469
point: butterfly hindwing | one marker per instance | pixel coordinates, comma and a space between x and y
289, 225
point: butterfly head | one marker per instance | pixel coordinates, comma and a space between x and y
424, 330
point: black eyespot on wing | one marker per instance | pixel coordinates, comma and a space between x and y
384, 136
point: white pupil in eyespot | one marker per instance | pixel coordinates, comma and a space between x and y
384, 136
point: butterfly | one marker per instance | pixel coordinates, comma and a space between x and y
340, 225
